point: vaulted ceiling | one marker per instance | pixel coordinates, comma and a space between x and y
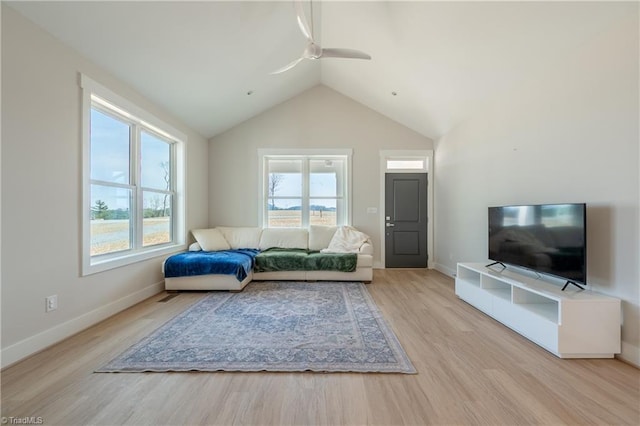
433, 64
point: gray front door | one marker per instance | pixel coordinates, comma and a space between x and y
406, 220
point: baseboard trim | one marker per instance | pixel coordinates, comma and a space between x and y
31, 345
630, 354
445, 270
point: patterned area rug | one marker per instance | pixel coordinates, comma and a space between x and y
273, 326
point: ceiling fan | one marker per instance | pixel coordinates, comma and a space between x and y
313, 49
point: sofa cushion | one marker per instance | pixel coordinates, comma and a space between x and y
241, 237
320, 236
279, 259
210, 239
343, 262
287, 238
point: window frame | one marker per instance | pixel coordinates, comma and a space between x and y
96, 96
306, 155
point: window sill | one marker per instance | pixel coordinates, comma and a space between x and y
94, 266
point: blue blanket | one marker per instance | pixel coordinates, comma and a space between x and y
227, 262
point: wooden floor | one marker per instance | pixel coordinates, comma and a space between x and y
471, 370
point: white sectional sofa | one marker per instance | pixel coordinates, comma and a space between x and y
316, 238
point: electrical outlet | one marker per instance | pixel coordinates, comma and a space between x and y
51, 303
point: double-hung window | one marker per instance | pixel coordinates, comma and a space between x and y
302, 188
133, 185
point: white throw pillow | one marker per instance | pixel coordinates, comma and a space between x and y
284, 238
195, 247
210, 239
320, 236
347, 239
241, 237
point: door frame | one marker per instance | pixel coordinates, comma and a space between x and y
427, 156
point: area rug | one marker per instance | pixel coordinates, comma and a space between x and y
273, 326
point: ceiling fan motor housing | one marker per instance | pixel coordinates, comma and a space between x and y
312, 51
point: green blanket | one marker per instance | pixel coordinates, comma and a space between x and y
278, 259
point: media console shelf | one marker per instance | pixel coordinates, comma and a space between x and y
570, 324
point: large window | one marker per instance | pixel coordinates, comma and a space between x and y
132, 196
305, 189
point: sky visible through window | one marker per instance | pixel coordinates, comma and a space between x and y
110, 153
320, 185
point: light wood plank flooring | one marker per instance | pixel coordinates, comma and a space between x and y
471, 370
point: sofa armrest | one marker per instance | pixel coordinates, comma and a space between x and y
366, 248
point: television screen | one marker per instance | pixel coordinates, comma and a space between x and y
546, 238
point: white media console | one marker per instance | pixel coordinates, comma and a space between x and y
570, 324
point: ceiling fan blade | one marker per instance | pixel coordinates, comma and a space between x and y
287, 67
302, 21
344, 53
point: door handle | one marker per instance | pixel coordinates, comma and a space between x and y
390, 224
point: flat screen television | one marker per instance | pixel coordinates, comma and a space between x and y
545, 238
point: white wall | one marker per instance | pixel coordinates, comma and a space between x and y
568, 135
318, 118
41, 193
